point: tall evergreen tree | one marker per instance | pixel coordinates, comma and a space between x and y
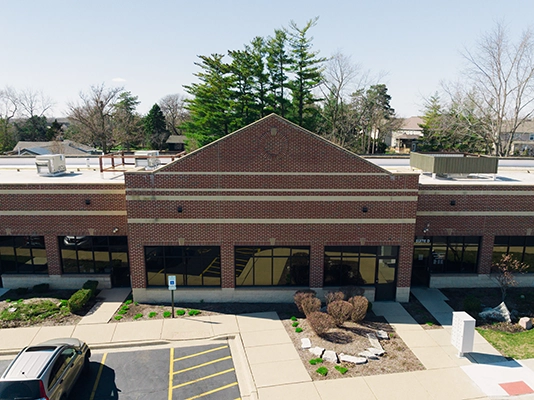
126, 122
278, 64
155, 128
308, 74
211, 104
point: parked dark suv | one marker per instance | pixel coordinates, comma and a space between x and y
47, 371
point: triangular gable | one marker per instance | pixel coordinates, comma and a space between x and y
273, 144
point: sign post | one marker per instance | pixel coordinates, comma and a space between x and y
172, 287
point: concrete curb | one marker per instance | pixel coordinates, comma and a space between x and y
247, 385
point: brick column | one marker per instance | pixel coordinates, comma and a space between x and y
53, 255
485, 254
316, 265
227, 265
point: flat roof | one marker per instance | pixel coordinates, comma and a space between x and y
86, 170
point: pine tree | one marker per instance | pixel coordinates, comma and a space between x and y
155, 128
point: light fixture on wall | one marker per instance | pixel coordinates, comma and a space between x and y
115, 230
365, 209
87, 201
180, 209
426, 228
453, 202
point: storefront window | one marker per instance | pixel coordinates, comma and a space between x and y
272, 266
356, 265
23, 255
191, 265
93, 254
447, 254
520, 247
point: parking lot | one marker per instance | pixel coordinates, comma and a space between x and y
195, 372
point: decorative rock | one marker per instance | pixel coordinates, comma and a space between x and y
352, 359
525, 323
317, 351
382, 335
305, 343
368, 355
12, 309
374, 341
376, 352
330, 355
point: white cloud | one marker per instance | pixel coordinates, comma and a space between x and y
118, 80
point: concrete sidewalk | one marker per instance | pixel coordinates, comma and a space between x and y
269, 367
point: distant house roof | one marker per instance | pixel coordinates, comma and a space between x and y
411, 124
67, 147
176, 139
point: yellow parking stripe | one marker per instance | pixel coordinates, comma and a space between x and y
202, 365
203, 378
171, 368
202, 352
95, 386
212, 391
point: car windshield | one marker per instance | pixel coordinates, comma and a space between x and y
19, 390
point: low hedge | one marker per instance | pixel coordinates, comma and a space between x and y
79, 299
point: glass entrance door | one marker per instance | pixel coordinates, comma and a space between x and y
386, 279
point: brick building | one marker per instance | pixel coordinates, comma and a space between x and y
258, 214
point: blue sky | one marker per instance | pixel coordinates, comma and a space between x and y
64, 47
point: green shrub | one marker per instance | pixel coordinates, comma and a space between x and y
166, 314
472, 304
310, 305
340, 310
118, 317
322, 371
91, 285
152, 314
41, 288
63, 303
315, 361
180, 312
137, 316
79, 299
298, 330
192, 313
8, 300
125, 308
295, 324
429, 323
122, 312
20, 301
128, 302
320, 322
300, 295
292, 318
342, 370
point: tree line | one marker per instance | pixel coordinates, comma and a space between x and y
284, 74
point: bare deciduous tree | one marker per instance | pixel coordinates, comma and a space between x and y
34, 103
93, 116
500, 78
173, 108
9, 106
504, 270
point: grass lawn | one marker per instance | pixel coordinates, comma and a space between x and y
518, 345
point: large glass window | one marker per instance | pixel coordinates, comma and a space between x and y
447, 254
192, 265
521, 247
23, 255
92, 254
355, 265
272, 266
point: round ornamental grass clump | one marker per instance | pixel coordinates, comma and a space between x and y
310, 305
360, 305
340, 310
320, 322
300, 295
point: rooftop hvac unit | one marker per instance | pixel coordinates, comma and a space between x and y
148, 159
50, 165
